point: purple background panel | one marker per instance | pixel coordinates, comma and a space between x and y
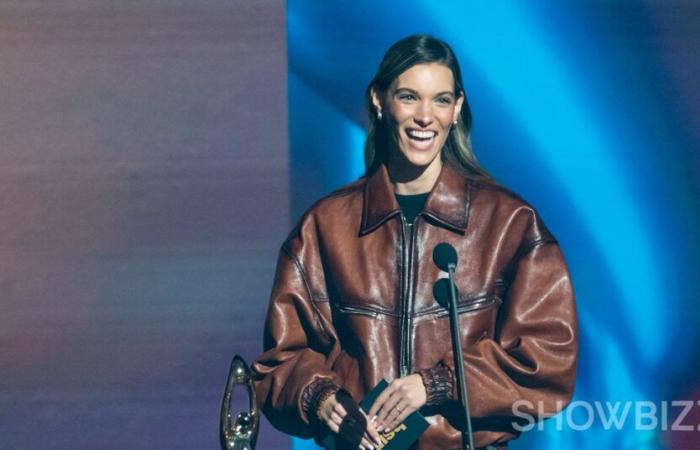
143, 198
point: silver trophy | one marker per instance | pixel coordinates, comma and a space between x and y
240, 433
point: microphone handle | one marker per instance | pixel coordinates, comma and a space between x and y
459, 361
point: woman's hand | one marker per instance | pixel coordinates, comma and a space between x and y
332, 413
400, 399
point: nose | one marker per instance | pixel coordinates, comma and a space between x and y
424, 114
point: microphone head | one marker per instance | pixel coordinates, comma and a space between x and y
443, 255
441, 292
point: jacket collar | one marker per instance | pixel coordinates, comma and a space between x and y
447, 203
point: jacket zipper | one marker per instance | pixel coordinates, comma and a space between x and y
408, 274
405, 345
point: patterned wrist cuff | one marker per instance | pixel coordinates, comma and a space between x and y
315, 394
439, 384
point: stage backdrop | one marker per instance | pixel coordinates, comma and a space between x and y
155, 154
590, 111
144, 176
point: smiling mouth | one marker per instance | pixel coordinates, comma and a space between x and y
420, 135
421, 140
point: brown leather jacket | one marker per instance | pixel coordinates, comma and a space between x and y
352, 303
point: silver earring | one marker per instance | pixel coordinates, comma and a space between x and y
379, 115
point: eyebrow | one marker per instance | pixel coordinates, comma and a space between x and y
416, 92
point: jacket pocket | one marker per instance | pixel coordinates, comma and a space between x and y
472, 305
347, 309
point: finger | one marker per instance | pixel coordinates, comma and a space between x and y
398, 414
372, 432
335, 418
383, 416
376, 437
366, 444
385, 396
386, 406
391, 421
379, 401
375, 440
333, 426
332, 421
401, 417
338, 409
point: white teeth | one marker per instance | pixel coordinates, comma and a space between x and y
421, 134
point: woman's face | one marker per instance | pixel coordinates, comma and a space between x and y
419, 107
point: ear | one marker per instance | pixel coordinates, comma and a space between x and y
458, 106
375, 100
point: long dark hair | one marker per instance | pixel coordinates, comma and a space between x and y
409, 51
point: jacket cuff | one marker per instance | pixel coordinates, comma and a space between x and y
315, 394
439, 384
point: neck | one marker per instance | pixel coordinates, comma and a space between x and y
409, 179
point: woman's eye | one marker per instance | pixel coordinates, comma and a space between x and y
444, 100
407, 97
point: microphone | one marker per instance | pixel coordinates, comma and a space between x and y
444, 256
445, 293
441, 292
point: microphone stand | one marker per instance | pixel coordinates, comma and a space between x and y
459, 360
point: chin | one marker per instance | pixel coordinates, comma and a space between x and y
418, 158
422, 161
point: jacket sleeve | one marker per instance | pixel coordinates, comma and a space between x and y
528, 368
439, 382
294, 374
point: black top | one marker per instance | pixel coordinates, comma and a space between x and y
411, 205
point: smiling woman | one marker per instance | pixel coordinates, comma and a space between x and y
422, 108
420, 77
352, 301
